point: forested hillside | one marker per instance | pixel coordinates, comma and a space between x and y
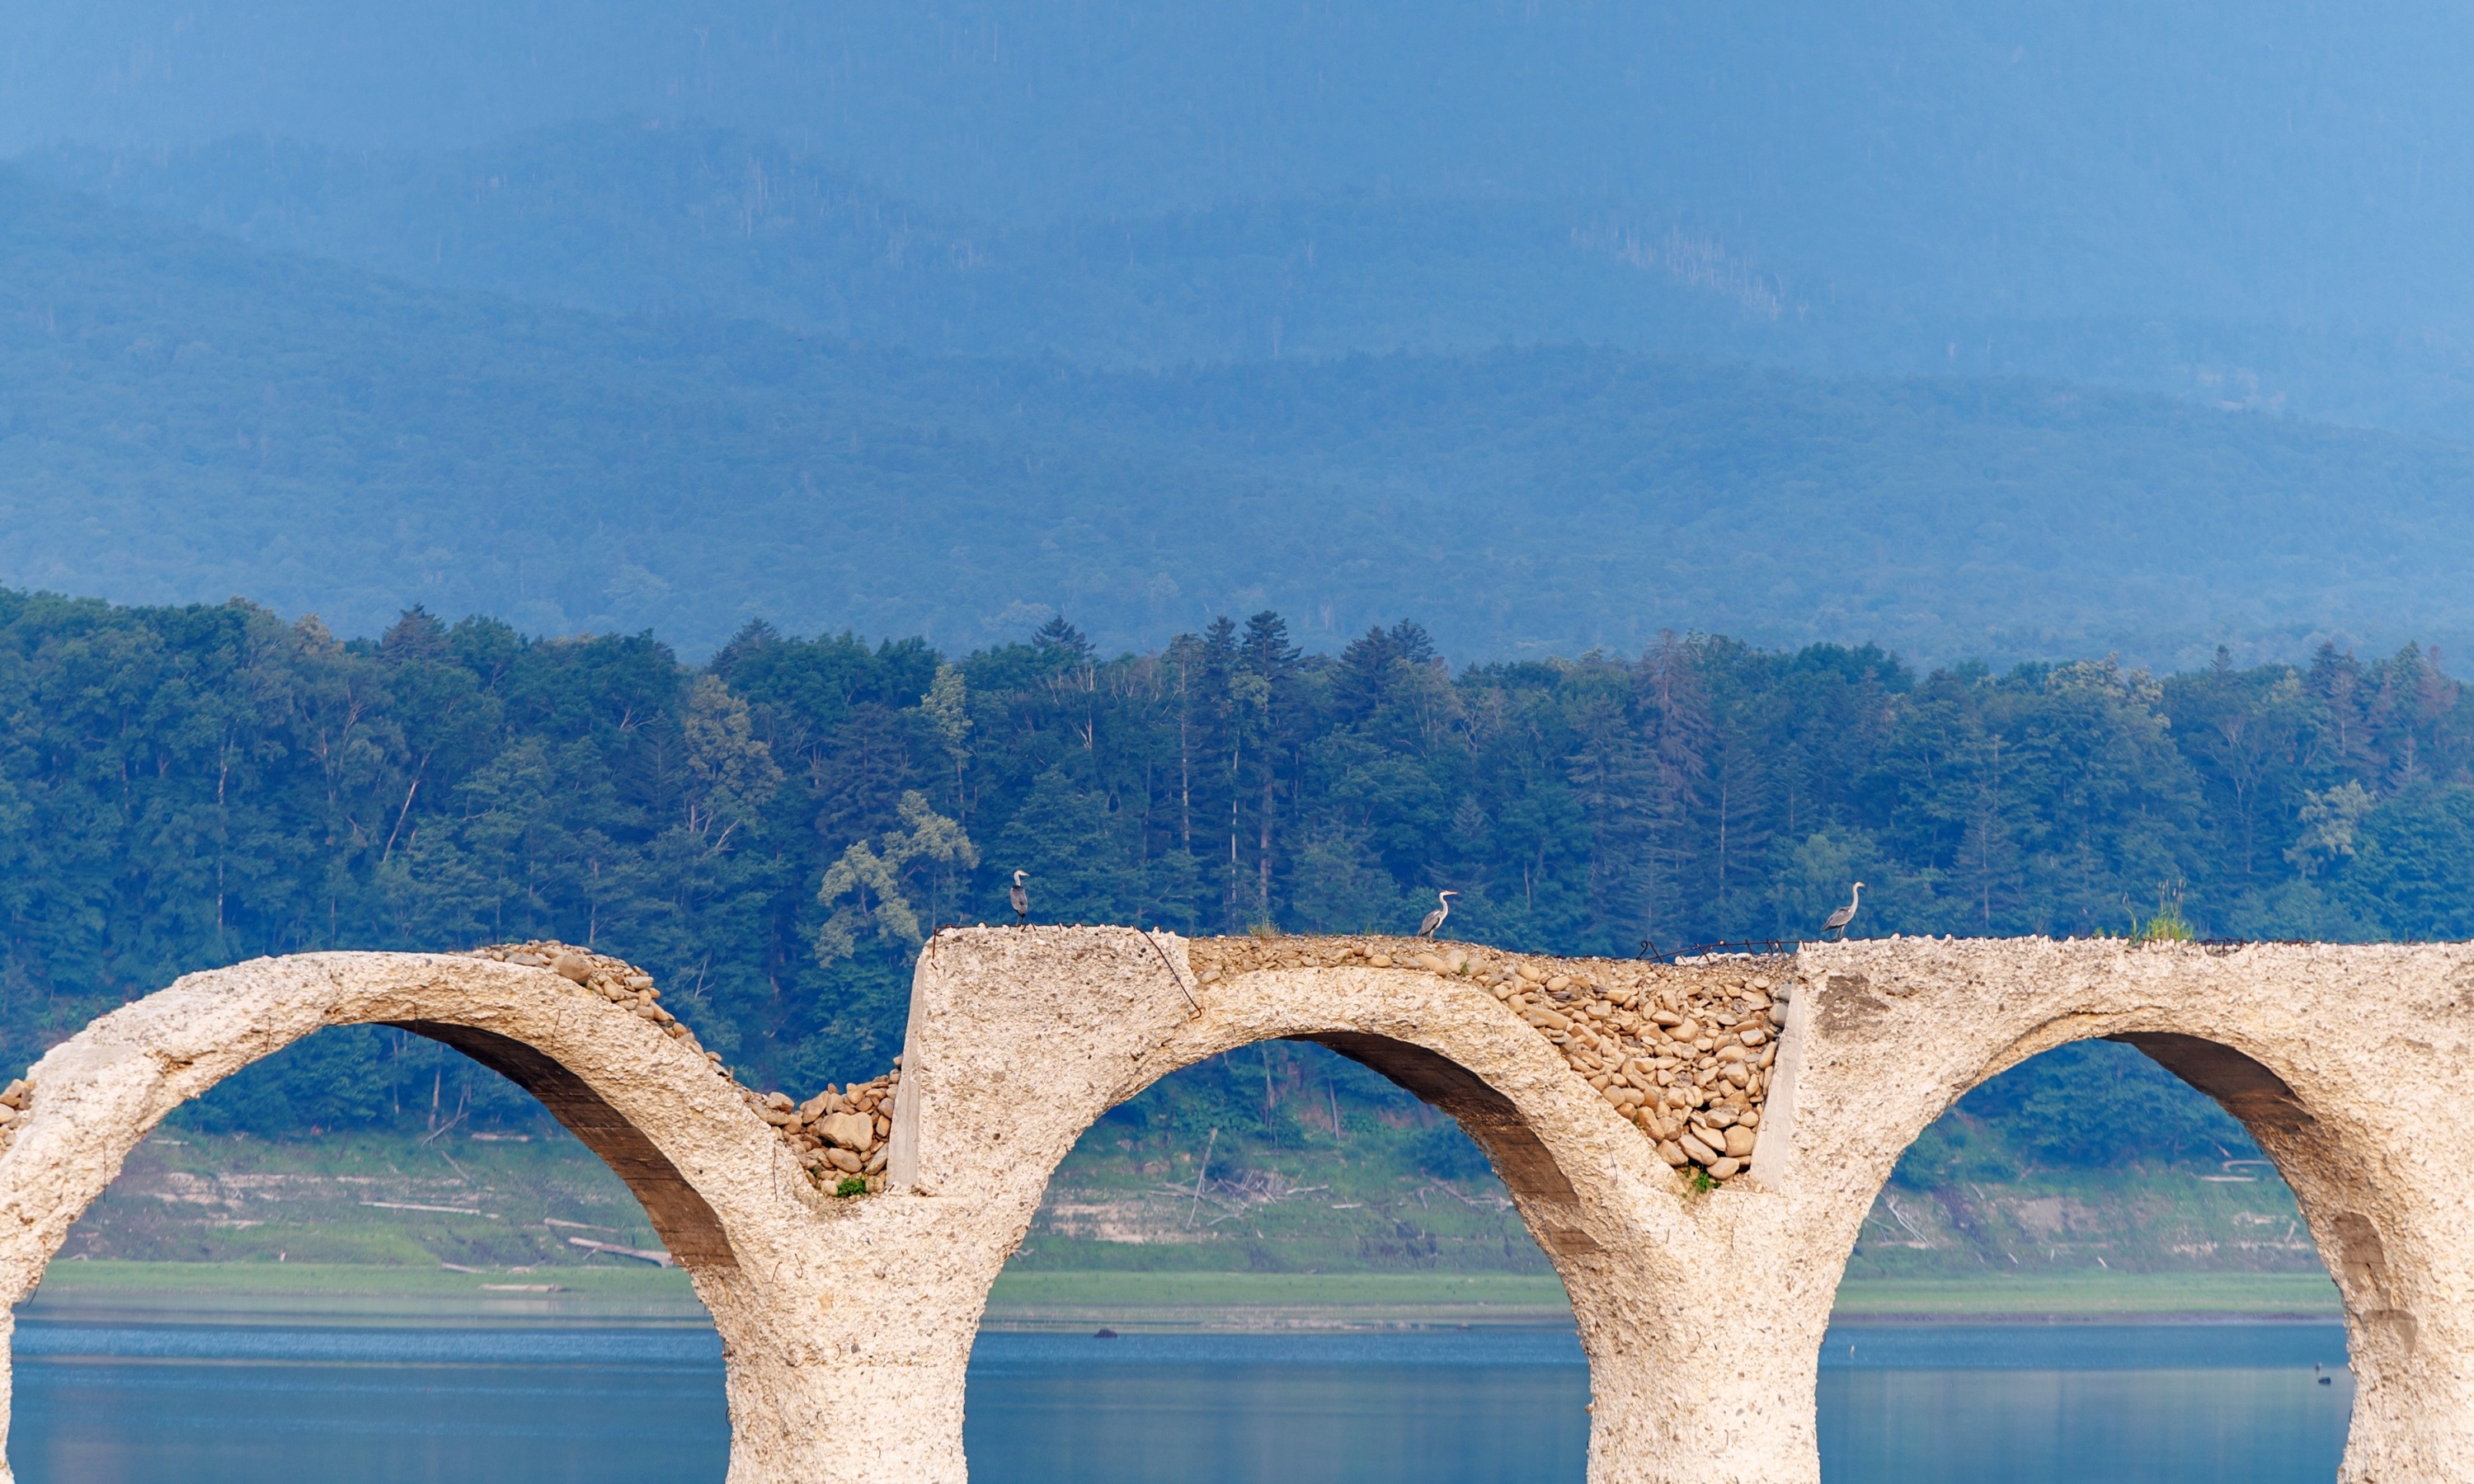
182, 418
2243, 204
773, 833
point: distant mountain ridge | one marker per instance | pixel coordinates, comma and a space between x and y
648, 217
185, 416
2043, 158
640, 217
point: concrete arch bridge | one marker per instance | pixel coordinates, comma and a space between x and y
1695, 1146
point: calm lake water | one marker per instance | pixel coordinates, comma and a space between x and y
205, 1404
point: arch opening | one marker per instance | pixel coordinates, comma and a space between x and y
357, 1089
1308, 1256
2072, 1215
2256, 1098
337, 1208
1389, 1109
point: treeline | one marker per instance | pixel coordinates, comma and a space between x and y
772, 832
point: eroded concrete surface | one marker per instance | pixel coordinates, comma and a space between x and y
848, 1323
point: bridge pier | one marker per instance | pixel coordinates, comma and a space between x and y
1706, 1375
849, 1366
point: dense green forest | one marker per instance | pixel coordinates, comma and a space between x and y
773, 831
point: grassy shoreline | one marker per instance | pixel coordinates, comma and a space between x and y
334, 1293
2089, 1297
294, 1293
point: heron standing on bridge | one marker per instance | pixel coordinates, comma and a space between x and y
1019, 896
1845, 915
1435, 918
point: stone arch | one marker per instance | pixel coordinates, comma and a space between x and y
670, 1124
995, 1110
2345, 1062
1544, 1213
1020, 1039
1542, 1189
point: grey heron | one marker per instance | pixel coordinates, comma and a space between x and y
1845, 915
1021, 899
1435, 918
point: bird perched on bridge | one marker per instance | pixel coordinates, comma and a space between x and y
1435, 918
1021, 899
1845, 915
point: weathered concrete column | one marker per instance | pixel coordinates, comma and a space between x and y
1700, 1373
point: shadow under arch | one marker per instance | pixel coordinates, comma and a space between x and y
689, 1230
2258, 1098
1521, 1160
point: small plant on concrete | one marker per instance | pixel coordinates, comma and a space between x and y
1702, 1184
852, 1184
2168, 925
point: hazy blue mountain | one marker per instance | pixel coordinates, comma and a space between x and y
693, 219
637, 218
2034, 158
2258, 206
183, 417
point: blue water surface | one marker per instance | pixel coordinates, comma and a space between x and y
1941, 1405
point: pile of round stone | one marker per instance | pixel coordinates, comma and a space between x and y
14, 1101
1683, 1051
1684, 1056
838, 1137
